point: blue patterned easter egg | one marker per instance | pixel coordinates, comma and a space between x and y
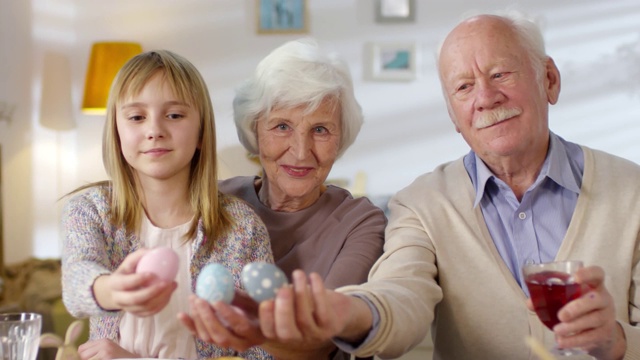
215, 283
262, 280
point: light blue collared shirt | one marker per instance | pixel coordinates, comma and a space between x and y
531, 230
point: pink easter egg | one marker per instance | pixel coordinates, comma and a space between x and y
161, 261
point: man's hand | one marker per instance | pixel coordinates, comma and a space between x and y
589, 322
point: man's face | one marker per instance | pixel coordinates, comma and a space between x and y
495, 99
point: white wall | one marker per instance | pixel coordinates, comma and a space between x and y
407, 132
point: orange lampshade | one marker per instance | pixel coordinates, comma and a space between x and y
106, 60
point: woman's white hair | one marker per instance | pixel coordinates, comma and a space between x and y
296, 74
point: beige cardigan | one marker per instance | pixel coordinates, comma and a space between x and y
441, 268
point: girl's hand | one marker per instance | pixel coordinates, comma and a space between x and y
103, 349
139, 294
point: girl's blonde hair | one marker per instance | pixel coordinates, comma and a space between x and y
187, 84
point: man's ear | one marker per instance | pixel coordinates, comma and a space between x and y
552, 81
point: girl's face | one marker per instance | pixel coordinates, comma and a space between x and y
158, 132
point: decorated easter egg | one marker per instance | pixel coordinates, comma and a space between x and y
215, 283
262, 280
161, 261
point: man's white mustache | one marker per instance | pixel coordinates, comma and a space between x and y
494, 116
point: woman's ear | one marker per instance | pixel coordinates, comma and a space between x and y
552, 81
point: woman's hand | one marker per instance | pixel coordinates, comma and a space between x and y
299, 323
589, 322
103, 349
139, 294
225, 325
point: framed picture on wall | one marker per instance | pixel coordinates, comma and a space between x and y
282, 16
393, 61
395, 11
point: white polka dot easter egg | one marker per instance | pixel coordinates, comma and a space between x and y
161, 261
262, 280
215, 283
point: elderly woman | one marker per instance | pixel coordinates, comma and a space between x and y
298, 114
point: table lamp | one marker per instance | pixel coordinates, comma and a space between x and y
106, 60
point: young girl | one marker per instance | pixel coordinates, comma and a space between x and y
159, 152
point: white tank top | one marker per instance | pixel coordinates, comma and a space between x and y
162, 335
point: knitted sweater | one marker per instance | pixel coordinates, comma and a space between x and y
93, 247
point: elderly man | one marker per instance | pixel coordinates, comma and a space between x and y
458, 236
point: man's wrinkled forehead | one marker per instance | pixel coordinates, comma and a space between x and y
477, 35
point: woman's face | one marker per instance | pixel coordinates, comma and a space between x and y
297, 150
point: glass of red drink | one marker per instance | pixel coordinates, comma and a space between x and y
551, 286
